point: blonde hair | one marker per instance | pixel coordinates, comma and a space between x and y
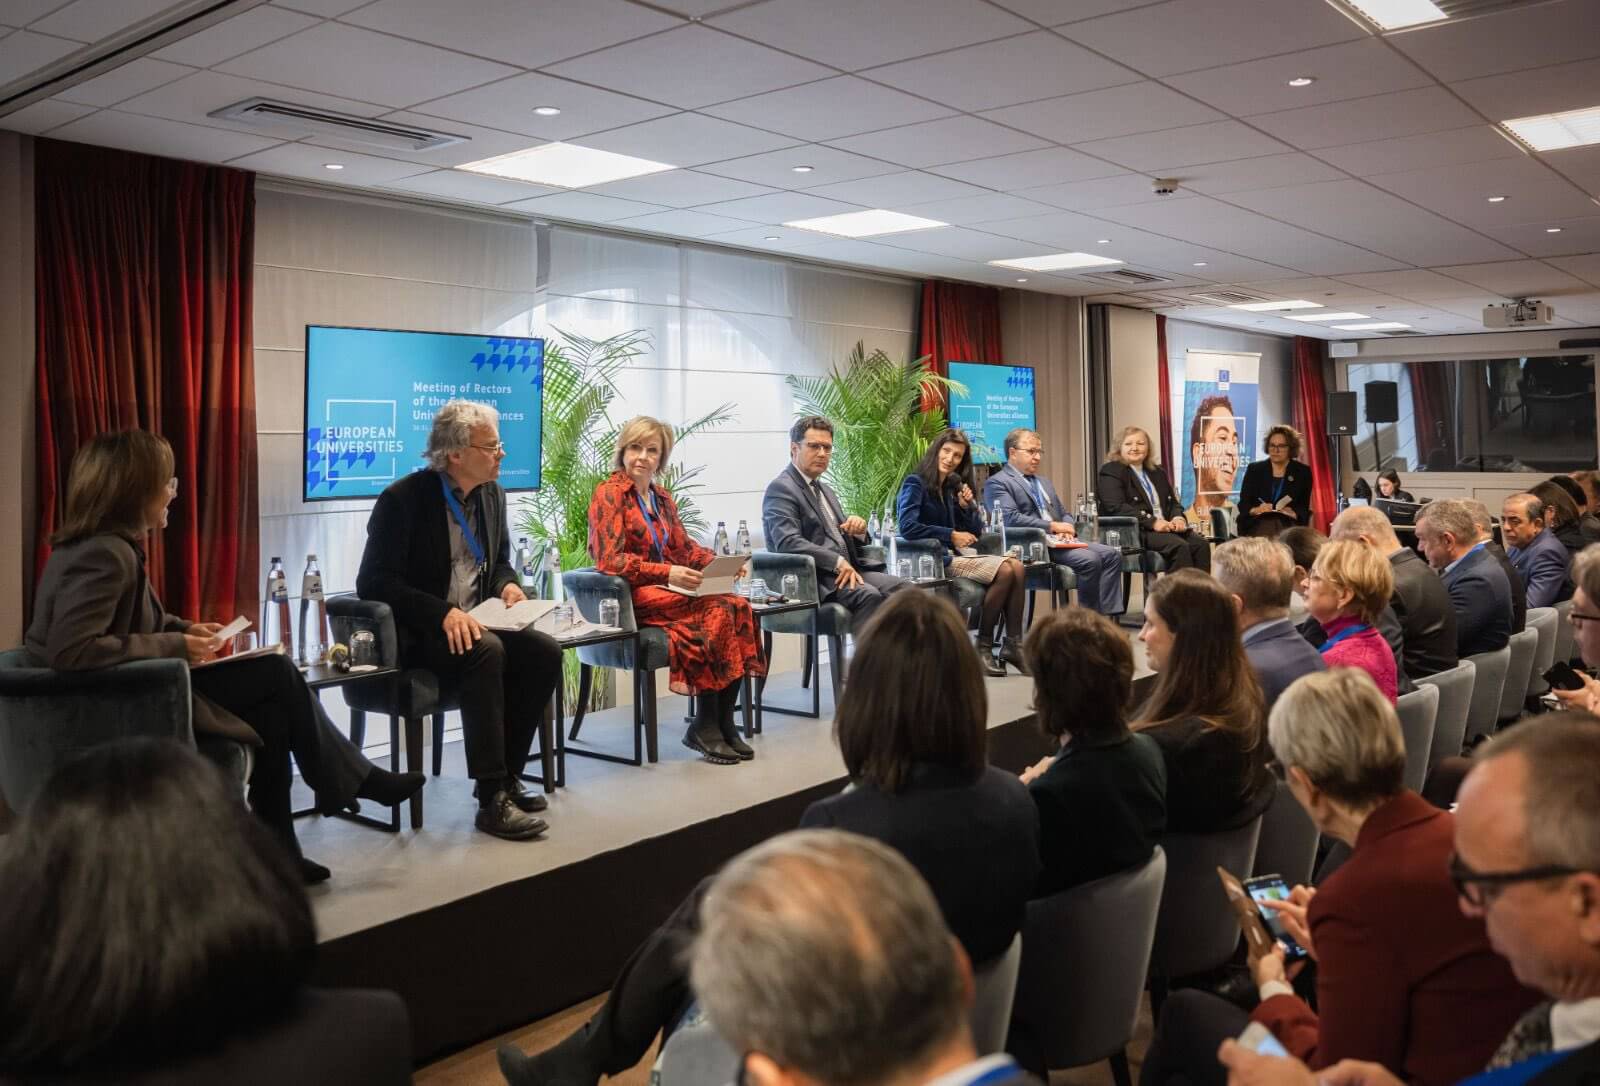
1342, 733
112, 481
1115, 454
1356, 567
641, 428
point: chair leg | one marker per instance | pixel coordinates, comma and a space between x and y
1159, 987
1027, 614
651, 746
806, 663
438, 743
414, 765
358, 727
836, 666
1119, 1068
585, 690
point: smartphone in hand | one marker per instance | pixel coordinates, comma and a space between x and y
1273, 888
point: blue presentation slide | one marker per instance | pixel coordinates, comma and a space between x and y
998, 399
371, 396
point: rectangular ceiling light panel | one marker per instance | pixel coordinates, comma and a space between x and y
565, 165
1272, 307
1372, 326
1554, 131
865, 224
1395, 14
1056, 262
1330, 317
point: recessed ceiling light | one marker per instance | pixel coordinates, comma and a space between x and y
802, 169
333, 165
1552, 230
866, 224
1102, 241
1497, 199
1268, 307
1394, 14
1553, 131
1330, 317
1372, 326
547, 111
770, 237
1302, 81
566, 165
1199, 263
1056, 262
1023, 279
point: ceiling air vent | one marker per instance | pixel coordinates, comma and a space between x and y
1227, 297
1406, 332
280, 115
1123, 277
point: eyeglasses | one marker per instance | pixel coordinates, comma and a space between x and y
172, 486
1480, 888
1277, 447
1031, 452
497, 448
819, 446
1579, 618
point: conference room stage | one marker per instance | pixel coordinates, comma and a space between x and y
480, 936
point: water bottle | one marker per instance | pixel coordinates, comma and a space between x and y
874, 526
719, 542
552, 565
742, 538
1092, 520
1082, 511
891, 540
526, 570
313, 643
275, 622
998, 524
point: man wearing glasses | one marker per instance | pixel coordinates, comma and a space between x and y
437, 546
1027, 500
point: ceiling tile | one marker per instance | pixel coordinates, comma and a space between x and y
690, 67
697, 8
680, 188
829, 109
1359, 120
134, 77
780, 207
1455, 147
1528, 36
896, 190
1418, 285
1060, 230
157, 136
1555, 89
1585, 267
527, 33
1519, 278
1534, 192
303, 160
935, 143
96, 20
686, 139
583, 207
41, 117
965, 243
328, 9
777, 239
1266, 172
240, 34
23, 12
1056, 12
1183, 35
1030, 169
193, 97
23, 51
776, 168
1114, 111
480, 143
459, 185
509, 105
1577, 236
1580, 164
356, 63
1219, 141
967, 210
1353, 69
1003, 73
852, 35
1115, 191
687, 224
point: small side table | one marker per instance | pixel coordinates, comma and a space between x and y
752, 703
558, 777
320, 677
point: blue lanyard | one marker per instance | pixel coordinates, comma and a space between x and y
460, 516
659, 548
1038, 495
1349, 631
1150, 490
1002, 1073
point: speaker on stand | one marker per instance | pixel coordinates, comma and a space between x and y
1341, 424
1383, 405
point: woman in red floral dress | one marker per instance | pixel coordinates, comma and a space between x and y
636, 534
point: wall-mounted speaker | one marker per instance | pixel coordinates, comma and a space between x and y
1341, 414
1383, 401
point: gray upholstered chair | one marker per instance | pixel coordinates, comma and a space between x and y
1224, 523
994, 995
48, 717
1418, 711
1484, 715
1542, 620
1524, 648
968, 595
1196, 929
1056, 579
1566, 647
1085, 953
1455, 707
830, 620
1288, 843
1135, 559
641, 655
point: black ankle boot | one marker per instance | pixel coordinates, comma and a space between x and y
726, 697
1011, 653
567, 1064
991, 667
704, 736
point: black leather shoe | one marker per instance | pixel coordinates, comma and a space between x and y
1011, 653
387, 789
501, 818
526, 801
312, 873
736, 743
709, 744
563, 1065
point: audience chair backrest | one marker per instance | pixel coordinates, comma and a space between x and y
1484, 716
1418, 712
995, 985
1455, 706
1566, 647
1288, 843
1524, 647
1196, 929
1543, 621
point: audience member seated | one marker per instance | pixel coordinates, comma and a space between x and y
1259, 575
1563, 517
1534, 549
1479, 591
822, 959
1268, 483
1206, 711
1588, 521
1402, 977
1420, 603
1348, 587
1589, 483
96, 607
1484, 523
437, 547
936, 502
801, 515
1304, 545
1132, 484
1389, 487
1102, 797
635, 533
912, 725
1027, 500
1527, 864
1586, 628
156, 933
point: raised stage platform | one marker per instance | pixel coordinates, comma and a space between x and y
480, 936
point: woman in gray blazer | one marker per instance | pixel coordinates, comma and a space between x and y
95, 607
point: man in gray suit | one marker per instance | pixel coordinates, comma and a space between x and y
1259, 574
800, 514
1535, 551
1027, 500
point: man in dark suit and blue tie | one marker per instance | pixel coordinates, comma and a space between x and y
1027, 500
1535, 551
1479, 591
800, 514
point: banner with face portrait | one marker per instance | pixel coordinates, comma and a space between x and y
1217, 431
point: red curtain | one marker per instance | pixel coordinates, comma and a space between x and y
1431, 400
960, 323
144, 276
1164, 389
1311, 419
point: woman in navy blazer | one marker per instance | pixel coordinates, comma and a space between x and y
936, 502
1266, 482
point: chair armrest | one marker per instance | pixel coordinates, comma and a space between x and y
874, 555
771, 566
1026, 536
348, 613
1132, 542
989, 543
588, 586
1222, 525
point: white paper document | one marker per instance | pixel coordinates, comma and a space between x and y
231, 630
581, 627
495, 615
717, 578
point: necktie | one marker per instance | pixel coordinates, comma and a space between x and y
1038, 496
825, 513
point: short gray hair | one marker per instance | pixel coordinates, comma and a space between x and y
1363, 520
452, 429
827, 952
1450, 515
1343, 734
1482, 519
1562, 799
1586, 572
1259, 571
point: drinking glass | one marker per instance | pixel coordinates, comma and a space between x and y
758, 590
610, 611
926, 569
1036, 552
243, 642
363, 651
1114, 538
902, 569
564, 617
1015, 551
790, 586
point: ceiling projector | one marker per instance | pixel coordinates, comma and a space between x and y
1517, 313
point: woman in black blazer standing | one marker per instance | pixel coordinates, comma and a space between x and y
1132, 484
1268, 483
